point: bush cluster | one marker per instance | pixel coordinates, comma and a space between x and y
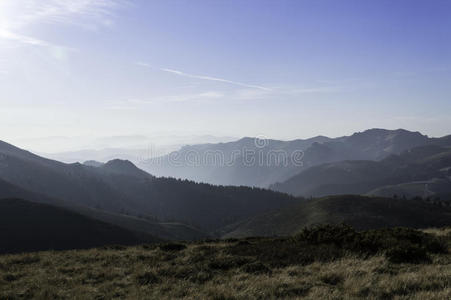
398, 244
330, 242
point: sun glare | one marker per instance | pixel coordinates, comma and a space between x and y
6, 14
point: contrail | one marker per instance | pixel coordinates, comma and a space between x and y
180, 73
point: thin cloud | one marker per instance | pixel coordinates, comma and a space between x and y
252, 91
20, 14
203, 77
121, 107
143, 64
5, 34
17, 16
178, 98
180, 73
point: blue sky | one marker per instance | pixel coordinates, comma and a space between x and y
283, 69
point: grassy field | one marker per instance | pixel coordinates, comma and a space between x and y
328, 262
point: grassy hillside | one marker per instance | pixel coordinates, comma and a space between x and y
318, 263
359, 211
27, 226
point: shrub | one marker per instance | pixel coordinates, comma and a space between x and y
201, 276
437, 245
256, 268
327, 234
26, 260
147, 278
402, 244
288, 291
10, 277
407, 254
114, 247
172, 247
227, 263
332, 279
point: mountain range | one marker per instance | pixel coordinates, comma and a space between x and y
396, 178
118, 187
277, 161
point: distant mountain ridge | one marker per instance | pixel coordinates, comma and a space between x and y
421, 171
205, 162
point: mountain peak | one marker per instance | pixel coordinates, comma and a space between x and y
124, 167
382, 131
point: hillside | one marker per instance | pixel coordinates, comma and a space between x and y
318, 263
165, 231
414, 172
256, 162
27, 226
358, 211
119, 187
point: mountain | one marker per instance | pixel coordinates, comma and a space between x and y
165, 231
119, 187
102, 155
8, 190
257, 162
421, 171
28, 226
248, 161
361, 212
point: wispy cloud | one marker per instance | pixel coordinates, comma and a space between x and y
16, 16
180, 73
23, 13
5, 34
244, 92
143, 64
313, 90
204, 77
209, 95
121, 107
134, 103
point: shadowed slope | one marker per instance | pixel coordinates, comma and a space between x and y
358, 211
27, 226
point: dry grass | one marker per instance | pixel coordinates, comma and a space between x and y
209, 271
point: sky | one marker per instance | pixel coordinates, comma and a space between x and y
283, 69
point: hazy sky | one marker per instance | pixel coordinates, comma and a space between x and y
283, 69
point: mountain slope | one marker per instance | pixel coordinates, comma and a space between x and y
119, 187
172, 231
28, 226
248, 161
256, 162
358, 211
419, 166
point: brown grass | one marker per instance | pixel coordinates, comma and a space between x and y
208, 271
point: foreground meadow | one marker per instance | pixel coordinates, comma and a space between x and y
327, 262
